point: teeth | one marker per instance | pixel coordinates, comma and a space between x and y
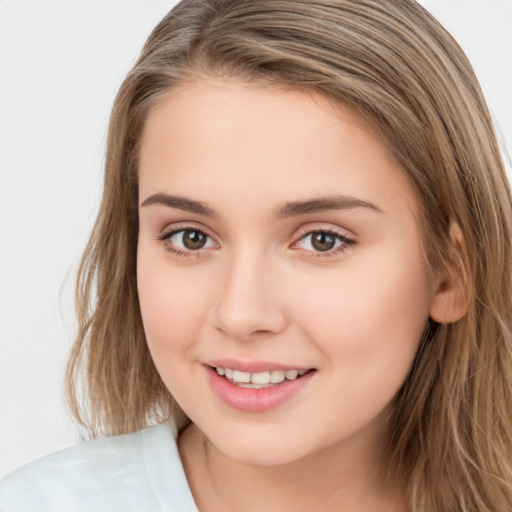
292, 374
277, 376
241, 376
254, 386
260, 379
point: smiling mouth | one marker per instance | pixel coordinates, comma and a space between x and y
259, 380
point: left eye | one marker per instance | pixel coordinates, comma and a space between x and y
189, 240
323, 241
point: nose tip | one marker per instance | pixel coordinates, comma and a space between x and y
248, 305
246, 326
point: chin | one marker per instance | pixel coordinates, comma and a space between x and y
260, 450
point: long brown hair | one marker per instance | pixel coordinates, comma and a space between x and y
451, 428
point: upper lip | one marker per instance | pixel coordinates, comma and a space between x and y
254, 366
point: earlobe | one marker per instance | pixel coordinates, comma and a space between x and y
451, 300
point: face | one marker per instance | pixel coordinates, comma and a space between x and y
282, 284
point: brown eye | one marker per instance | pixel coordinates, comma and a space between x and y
323, 241
188, 240
193, 240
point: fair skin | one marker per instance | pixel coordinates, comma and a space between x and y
338, 286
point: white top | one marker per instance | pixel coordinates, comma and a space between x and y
133, 472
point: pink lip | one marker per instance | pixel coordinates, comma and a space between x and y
252, 366
252, 399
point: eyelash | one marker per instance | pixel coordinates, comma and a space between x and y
346, 242
167, 235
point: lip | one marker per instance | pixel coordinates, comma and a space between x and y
253, 399
253, 366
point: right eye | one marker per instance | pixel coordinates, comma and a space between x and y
189, 240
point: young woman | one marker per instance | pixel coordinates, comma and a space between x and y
300, 274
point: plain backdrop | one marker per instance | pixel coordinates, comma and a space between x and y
61, 62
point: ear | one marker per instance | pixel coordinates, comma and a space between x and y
451, 300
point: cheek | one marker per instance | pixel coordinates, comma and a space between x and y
368, 326
172, 305
173, 316
369, 315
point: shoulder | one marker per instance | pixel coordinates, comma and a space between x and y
141, 471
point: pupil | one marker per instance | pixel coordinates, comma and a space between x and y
323, 241
194, 239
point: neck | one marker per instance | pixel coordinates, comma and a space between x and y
344, 478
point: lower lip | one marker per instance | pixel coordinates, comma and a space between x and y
253, 399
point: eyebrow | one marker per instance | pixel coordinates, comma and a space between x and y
320, 204
181, 203
288, 209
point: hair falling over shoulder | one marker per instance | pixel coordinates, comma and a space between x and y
450, 433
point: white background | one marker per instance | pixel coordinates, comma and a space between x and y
61, 62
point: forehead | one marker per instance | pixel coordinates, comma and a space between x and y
210, 135
222, 104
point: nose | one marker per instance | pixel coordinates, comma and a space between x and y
249, 303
